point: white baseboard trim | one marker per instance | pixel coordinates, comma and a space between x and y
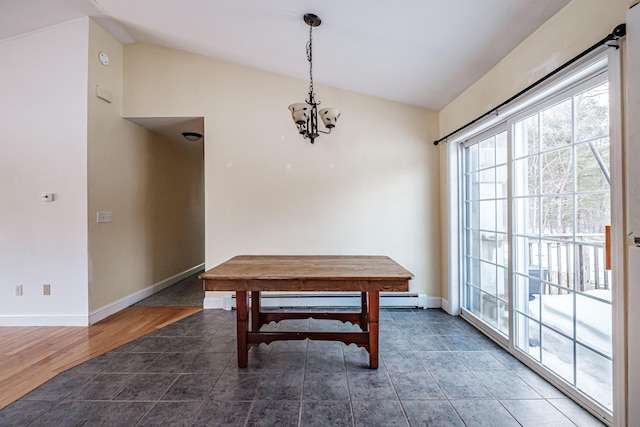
446, 306
44, 320
108, 310
434, 302
325, 299
214, 302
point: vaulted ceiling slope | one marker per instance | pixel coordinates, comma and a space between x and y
418, 52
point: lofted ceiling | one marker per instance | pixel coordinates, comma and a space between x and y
417, 52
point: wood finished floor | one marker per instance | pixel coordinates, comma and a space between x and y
30, 356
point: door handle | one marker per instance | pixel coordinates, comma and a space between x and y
607, 247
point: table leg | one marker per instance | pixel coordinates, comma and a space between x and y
374, 328
255, 311
364, 312
242, 323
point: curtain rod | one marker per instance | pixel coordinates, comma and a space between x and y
617, 33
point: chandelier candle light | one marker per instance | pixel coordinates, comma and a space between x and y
305, 114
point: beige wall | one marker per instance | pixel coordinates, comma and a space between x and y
371, 187
153, 187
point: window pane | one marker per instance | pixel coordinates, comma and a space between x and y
557, 171
490, 309
471, 185
521, 254
503, 250
488, 247
594, 329
527, 137
501, 216
592, 113
526, 176
526, 216
501, 148
593, 213
526, 301
487, 184
473, 271
557, 311
594, 374
487, 153
538, 276
488, 214
571, 266
556, 125
473, 300
527, 336
557, 261
471, 158
503, 317
557, 216
590, 268
472, 246
501, 181
593, 166
533, 253
557, 354
502, 283
488, 278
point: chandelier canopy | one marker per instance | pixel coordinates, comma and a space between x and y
305, 114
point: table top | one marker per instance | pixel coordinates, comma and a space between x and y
307, 273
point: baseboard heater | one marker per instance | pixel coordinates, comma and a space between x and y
326, 299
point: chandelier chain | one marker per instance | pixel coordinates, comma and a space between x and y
310, 59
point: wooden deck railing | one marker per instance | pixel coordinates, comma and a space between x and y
561, 263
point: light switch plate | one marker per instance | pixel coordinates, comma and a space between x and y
104, 216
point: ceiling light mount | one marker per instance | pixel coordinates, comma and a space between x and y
312, 20
192, 136
305, 115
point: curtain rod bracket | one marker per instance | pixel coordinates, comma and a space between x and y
616, 45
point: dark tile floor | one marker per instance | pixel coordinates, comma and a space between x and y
187, 292
435, 370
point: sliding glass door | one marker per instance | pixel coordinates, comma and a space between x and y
486, 292
561, 206
536, 202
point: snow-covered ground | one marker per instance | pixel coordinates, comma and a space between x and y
593, 372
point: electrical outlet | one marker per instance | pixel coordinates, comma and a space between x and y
46, 289
18, 290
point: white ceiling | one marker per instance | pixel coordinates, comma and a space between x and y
418, 52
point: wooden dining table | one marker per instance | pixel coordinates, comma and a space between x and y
249, 275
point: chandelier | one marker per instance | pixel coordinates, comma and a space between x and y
305, 114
